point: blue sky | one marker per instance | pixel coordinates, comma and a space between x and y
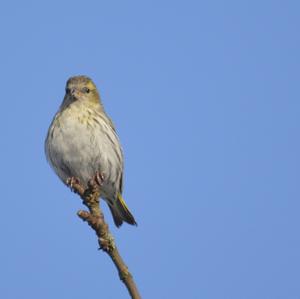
205, 98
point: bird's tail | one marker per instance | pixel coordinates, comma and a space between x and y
120, 212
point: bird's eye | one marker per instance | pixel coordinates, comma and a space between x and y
67, 90
85, 90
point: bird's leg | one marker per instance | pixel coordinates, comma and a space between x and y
75, 185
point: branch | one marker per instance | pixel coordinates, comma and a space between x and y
95, 220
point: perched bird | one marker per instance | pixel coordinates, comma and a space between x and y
82, 142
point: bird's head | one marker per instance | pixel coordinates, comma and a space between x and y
81, 89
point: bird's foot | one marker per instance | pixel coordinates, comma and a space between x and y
92, 193
72, 181
99, 178
75, 185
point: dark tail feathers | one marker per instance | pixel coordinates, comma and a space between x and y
120, 212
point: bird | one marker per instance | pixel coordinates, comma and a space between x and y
82, 142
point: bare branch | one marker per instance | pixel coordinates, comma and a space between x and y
95, 220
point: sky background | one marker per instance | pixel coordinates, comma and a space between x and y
205, 98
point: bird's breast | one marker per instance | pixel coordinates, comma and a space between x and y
83, 142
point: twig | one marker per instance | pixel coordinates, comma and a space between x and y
95, 220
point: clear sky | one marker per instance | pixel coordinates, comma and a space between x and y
205, 98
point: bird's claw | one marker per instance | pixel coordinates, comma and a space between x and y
71, 182
99, 178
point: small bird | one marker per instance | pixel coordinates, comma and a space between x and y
82, 142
